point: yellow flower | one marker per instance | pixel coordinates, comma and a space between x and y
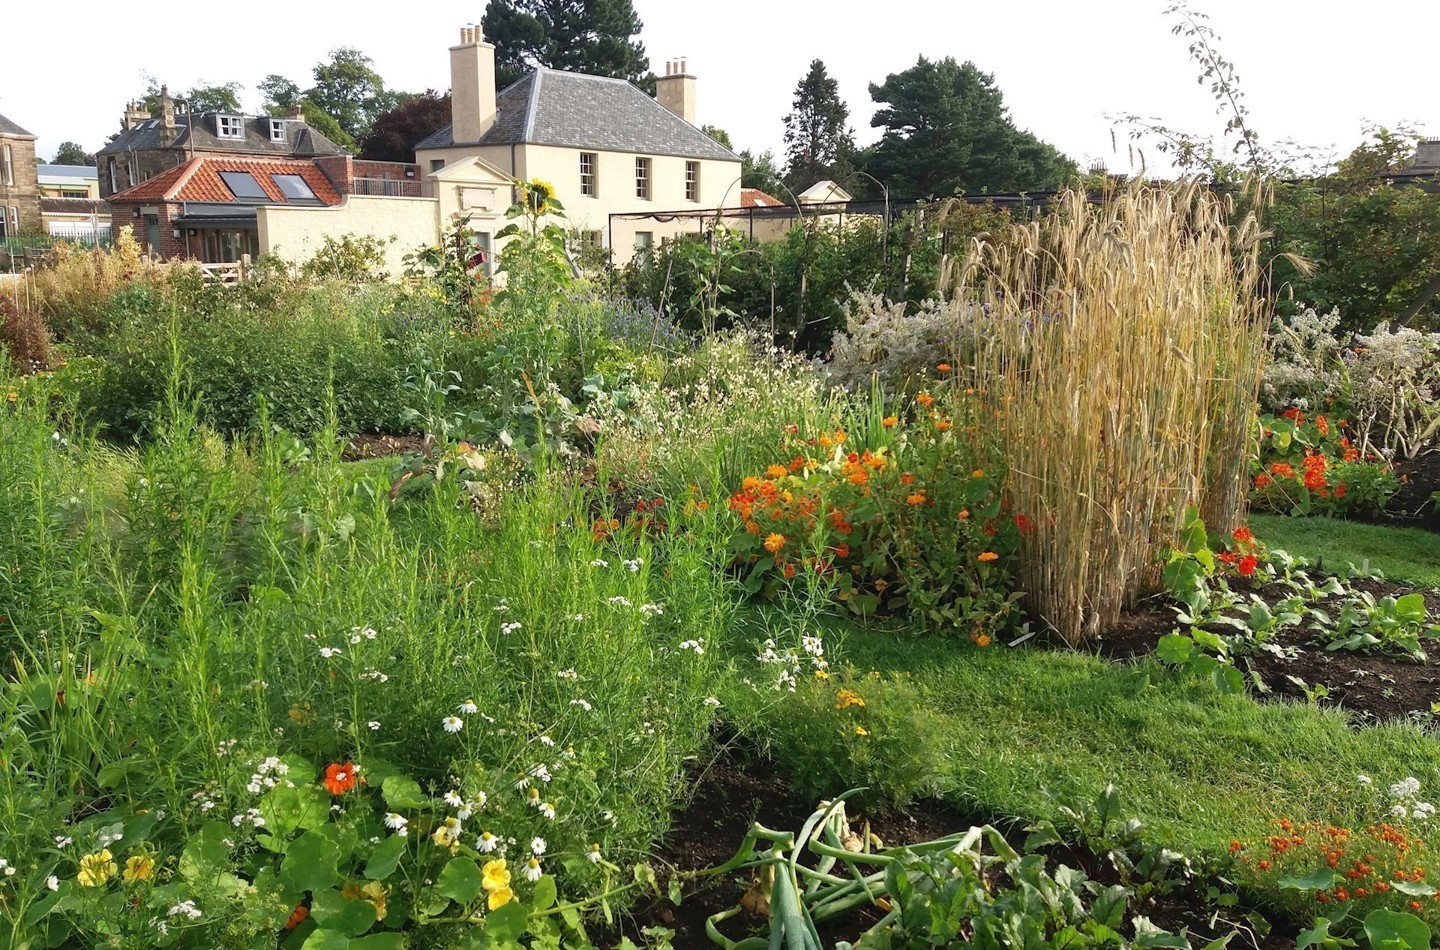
499, 898
821, 675
374, 893
495, 877
861, 731
847, 698
983, 640
138, 868
96, 869
774, 542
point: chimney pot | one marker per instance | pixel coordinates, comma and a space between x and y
684, 67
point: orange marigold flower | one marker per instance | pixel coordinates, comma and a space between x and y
751, 527
964, 515
1235, 846
339, 777
916, 499
776, 471
1263, 865
1415, 906
943, 367
907, 479
983, 640
846, 698
978, 473
788, 570
889, 422
925, 400
774, 542
858, 477
988, 556
943, 425
702, 505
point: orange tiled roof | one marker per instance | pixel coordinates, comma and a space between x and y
755, 198
199, 180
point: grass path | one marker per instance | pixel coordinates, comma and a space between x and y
1401, 554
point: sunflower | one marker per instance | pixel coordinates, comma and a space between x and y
539, 195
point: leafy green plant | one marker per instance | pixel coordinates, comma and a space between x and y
1390, 623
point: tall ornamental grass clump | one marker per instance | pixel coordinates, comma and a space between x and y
1120, 348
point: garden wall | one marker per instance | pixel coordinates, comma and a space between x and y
295, 234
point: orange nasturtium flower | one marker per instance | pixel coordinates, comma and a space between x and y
774, 542
943, 367
339, 777
989, 556
889, 422
297, 916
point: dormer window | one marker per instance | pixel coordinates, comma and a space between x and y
230, 126
277, 130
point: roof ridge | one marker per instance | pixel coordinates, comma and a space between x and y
184, 177
532, 106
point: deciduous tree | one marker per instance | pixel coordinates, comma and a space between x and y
394, 135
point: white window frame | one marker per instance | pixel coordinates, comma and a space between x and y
278, 132
644, 178
692, 181
9, 166
648, 243
590, 180
230, 126
14, 219
111, 166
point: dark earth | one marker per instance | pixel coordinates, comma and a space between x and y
736, 789
1374, 686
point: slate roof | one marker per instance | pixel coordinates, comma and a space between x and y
301, 140
12, 130
199, 180
74, 206
554, 107
68, 171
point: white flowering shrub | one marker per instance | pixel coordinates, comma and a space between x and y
881, 339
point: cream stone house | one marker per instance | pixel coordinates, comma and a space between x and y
606, 147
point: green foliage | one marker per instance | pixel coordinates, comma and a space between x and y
1366, 245
72, 153
348, 89
394, 134
946, 130
596, 38
221, 97
761, 171
817, 134
350, 259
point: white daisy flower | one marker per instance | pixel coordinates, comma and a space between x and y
454, 799
52, 883
396, 822
538, 846
468, 707
63, 841
546, 741
531, 871
593, 855
328, 652
548, 810
480, 799
453, 723
486, 842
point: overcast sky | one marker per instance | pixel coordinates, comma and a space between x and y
1313, 72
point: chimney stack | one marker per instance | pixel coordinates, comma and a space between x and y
676, 89
472, 86
295, 114
134, 115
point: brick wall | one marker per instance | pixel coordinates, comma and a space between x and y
25, 193
169, 246
342, 170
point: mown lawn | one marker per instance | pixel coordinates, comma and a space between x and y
1401, 554
1002, 726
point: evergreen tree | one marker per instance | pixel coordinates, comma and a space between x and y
584, 36
72, 153
817, 138
947, 131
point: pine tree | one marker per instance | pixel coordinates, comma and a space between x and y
584, 36
947, 130
817, 139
